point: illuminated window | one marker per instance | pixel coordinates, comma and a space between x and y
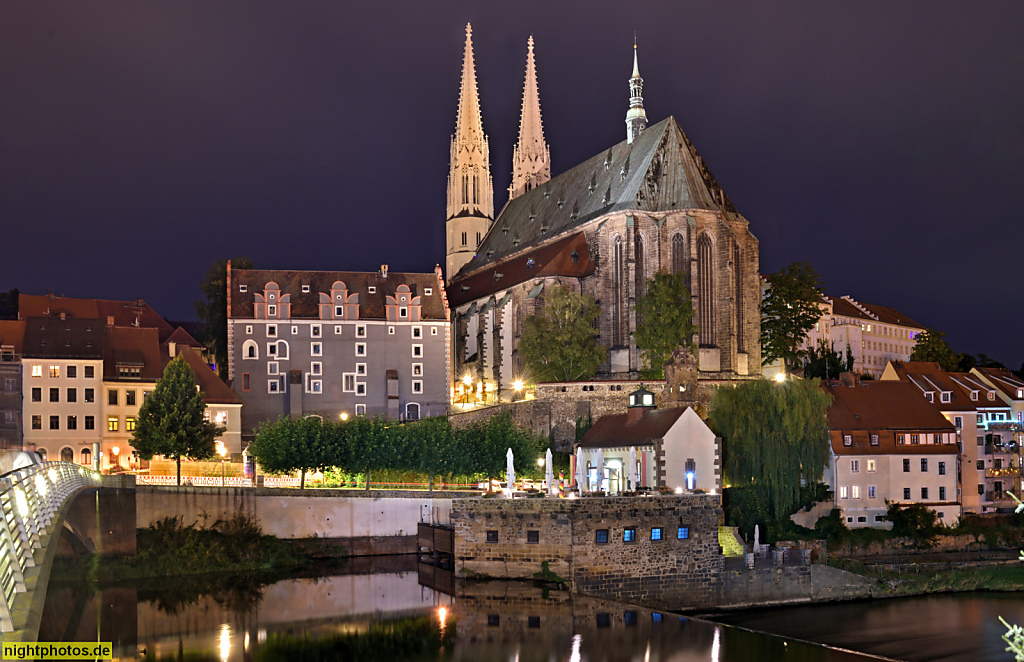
843, 492
129, 424
601, 536
361, 331
683, 533
656, 533
112, 424
855, 491
54, 371
871, 466
874, 440
629, 534
847, 440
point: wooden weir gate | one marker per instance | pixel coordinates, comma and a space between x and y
436, 552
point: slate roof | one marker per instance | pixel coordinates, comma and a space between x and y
610, 181
875, 313
54, 338
124, 313
612, 430
552, 259
306, 305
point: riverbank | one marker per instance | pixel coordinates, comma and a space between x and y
908, 578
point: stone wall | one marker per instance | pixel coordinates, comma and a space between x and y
790, 584
667, 573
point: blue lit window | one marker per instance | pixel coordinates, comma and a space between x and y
656, 617
630, 617
629, 534
684, 533
656, 533
601, 536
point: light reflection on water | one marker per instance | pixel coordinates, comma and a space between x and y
500, 622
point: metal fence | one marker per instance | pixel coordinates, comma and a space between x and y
30, 500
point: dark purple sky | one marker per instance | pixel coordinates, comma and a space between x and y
883, 142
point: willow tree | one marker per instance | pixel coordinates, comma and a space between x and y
774, 436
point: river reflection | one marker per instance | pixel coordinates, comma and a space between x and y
378, 610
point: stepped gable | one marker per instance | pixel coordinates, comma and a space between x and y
305, 305
659, 171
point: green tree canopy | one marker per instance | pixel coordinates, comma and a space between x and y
666, 321
789, 310
824, 362
559, 343
212, 309
775, 436
303, 444
931, 347
172, 419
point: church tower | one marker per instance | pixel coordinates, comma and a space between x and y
470, 191
636, 116
531, 158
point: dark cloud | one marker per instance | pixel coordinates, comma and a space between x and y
884, 142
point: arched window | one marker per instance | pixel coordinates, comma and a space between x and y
517, 321
465, 189
412, 412
250, 350
67, 454
87, 457
618, 291
737, 260
42, 453
476, 189
282, 349
641, 269
678, 254
706, 291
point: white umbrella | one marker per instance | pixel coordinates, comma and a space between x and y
581, 477
633, 482
549, 474
600, 469
757, 534
510, 472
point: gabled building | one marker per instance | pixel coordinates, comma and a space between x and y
336, 344
889, 444
12, 336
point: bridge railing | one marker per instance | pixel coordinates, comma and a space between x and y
30, 500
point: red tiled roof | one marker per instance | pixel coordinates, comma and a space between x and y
613, 430
553, 259
183, 337
12, 332
929, 376
132, 347
123, 313
1005, 381
215, 391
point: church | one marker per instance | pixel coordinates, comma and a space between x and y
602, 228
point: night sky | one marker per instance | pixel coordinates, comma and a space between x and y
883, 142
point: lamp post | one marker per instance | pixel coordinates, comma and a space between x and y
116, 453
223, 453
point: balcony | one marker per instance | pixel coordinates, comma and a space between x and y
1005, 472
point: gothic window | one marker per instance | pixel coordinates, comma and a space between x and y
641, 271
476, 189
706, 291
678, 254
517, 321
478, 240
738, 261
618, 292
465, 190
463, 238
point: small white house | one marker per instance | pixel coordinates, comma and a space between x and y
674, 448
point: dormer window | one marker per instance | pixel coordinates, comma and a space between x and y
1020, 393
403, 312
271, 309
243, 288
974, 396
305, 289
371, 289
427, 292
946, 396
847, 440
574, 256
991, 395
930, 396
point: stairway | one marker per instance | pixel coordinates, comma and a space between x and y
729, 539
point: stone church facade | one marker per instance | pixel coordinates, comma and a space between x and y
603, 228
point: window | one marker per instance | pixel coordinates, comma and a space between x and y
629, 534
361, 331
601, 536
900, 439
981, 465
924, 464
872, 492
428, 291
493, 620
924, 492
315, 386
305, 289
248, 329
72, 371
417, 386
862, 519
314, 331
391, 330
360, 368
271, 330
981, 441
533, 622
855, 492
844, 492
871, 466
360, 349
417, 369
463, 238
243, 288
90, 422
112, 396
37, 371
942, 494
37, 422
272, 368
533, 537
316, 349
433, 330
683, 533
403, 312
250, 350
855, 466
10, 384
914, 438
90, 371
656, 533
906, 493
412, 412
337, 328
272, 310
906, 465
55, 371
874, 440
417, 351
246, 381
348, 382
942, 468
129, 424
492, 536
847, 440
72, 422
360, 388
54, 395
112, 424
372, 289
360, 410
316, 368
295, 330
129, 398
273, 386
72, 395
417, 332
958, 421
944, 397
37, 395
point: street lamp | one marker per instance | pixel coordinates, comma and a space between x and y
344, 416
222, 451
116, 452
781, 377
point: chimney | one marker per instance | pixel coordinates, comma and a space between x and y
850, 379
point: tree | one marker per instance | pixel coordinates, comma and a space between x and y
931, 347
9, 304
212, 309
826, 363
559, 343
789, 310
303, 444
775, 438
172, 419
666, 321
915, 521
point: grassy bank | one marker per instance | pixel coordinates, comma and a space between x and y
924, 578
172, 548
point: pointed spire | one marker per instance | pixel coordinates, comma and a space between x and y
531, 158
468, 125
636, 116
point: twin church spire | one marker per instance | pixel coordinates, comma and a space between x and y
531, 157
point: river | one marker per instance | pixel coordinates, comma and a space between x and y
378, 609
